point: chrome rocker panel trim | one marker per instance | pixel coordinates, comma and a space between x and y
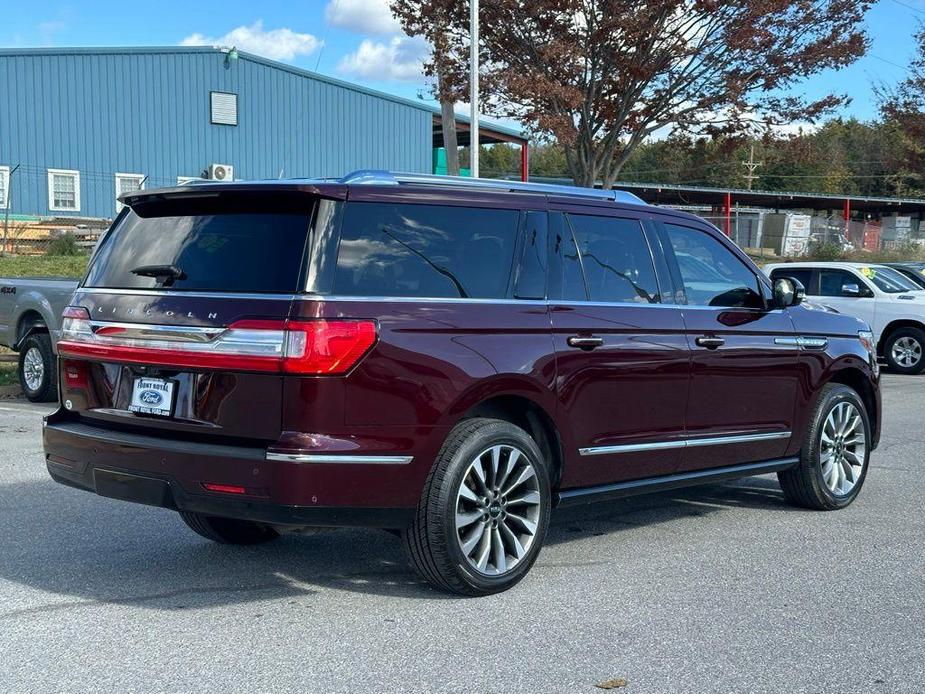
685, 443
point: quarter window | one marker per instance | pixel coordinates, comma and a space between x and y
711, 274
63, 190
127, 183
4, 186
615, 259
425, 251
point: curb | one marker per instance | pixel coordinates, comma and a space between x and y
10, 391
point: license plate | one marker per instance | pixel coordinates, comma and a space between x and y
153, 396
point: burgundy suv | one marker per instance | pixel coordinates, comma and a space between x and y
451, 359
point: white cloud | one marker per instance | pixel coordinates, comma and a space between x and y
362, 16
277, 44
401, 59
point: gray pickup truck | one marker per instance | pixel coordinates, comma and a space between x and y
30, 322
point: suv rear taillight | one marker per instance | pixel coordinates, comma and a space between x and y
308, 347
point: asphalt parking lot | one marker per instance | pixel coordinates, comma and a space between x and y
717, 589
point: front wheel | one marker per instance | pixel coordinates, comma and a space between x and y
835, 454
905, 351
485, 509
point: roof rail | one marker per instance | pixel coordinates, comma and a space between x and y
387, 178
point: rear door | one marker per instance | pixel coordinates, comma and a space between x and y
180, 280
622, 359
744, 372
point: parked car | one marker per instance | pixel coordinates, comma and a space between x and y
886, 300
913, 271
446, 358
30, 322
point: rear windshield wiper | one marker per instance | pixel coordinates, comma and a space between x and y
166, 275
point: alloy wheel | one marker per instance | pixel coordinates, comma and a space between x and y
906, 352
498, 509
843, 448
33, 369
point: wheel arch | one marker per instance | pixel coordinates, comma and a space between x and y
859, 381
30, 321
523, 404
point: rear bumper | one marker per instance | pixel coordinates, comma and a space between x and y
170, 473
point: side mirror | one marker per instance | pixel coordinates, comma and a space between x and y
788, 292
850, 290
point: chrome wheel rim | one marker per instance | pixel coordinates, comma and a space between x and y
843, 448
498, 508
907, 352
33, 368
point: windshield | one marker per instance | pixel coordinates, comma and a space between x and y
217, 243
889, 280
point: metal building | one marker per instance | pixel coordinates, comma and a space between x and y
80, 125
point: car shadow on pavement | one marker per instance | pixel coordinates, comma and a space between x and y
81, 550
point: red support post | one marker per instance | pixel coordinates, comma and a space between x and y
727, 214
524, 163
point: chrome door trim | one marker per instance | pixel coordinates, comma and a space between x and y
685, 443
343, 459
803, 342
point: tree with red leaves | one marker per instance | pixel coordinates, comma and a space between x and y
601, 76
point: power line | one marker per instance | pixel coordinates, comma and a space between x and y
909, 7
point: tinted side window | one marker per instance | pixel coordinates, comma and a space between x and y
616, 259
425, 251
530, 279
832, 281
711, 273
804, 277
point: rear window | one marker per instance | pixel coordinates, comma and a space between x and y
247, 243
425, 251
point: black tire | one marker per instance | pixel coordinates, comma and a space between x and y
229, 531
38, 344
432, 540
804, 484
916, 336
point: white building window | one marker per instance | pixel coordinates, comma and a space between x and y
4, 187
127, 183
63, 190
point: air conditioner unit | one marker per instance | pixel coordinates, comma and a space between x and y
221, 172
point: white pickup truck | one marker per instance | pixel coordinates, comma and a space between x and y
890, 303
30, 322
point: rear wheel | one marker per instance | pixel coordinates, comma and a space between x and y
905, 350
483, 515
229, 531
38, 373
835, 454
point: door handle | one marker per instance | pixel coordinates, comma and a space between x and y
586, 342
710, 342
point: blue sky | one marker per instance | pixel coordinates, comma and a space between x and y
357, 40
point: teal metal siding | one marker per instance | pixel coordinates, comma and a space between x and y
147, 111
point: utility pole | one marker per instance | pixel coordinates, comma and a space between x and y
751, 165
474, 87
8, 201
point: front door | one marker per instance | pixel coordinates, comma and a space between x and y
846, 292
744, 369
622, 358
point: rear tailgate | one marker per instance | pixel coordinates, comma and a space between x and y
182, 314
